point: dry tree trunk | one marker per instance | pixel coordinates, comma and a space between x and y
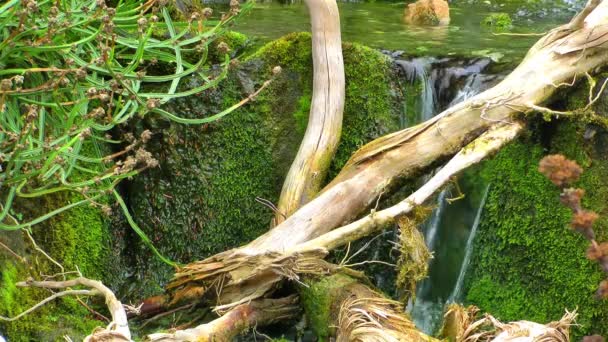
308, 170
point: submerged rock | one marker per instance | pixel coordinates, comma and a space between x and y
428, 12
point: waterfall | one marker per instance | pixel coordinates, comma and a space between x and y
426, 312
457, 292
445, 82
418, 69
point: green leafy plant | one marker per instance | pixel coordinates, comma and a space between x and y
72, 71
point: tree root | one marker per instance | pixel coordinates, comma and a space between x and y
235, 321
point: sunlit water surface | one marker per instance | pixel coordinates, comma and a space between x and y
380, 25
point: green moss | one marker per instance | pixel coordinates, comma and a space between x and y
201, 200
78, 238
317, 299
498, 21
527, 264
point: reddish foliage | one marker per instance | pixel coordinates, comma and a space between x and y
560, 170
596, 252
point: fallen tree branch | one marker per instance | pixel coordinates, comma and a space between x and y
344, 308
460, 325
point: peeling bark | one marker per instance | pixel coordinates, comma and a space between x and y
349, 310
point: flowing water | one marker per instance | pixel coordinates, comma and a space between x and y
456, 295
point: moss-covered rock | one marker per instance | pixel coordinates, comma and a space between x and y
202, 198
527, 263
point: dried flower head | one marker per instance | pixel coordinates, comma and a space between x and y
583, 219
145, 136
559, 170
223, 48
85, 133
106, 210
6, 84
142, 23
152, 103
81, 73
207, 12
18, 80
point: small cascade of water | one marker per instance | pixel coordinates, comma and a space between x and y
424, 312
473, 84
419, 70
456, 295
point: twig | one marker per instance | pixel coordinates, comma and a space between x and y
19, 257
36, 247
51, 298
118, 327
161, 315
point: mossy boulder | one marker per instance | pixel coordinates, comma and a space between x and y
202, 198
527, 264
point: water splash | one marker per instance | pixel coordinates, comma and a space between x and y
456, 295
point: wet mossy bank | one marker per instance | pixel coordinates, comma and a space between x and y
527, 263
